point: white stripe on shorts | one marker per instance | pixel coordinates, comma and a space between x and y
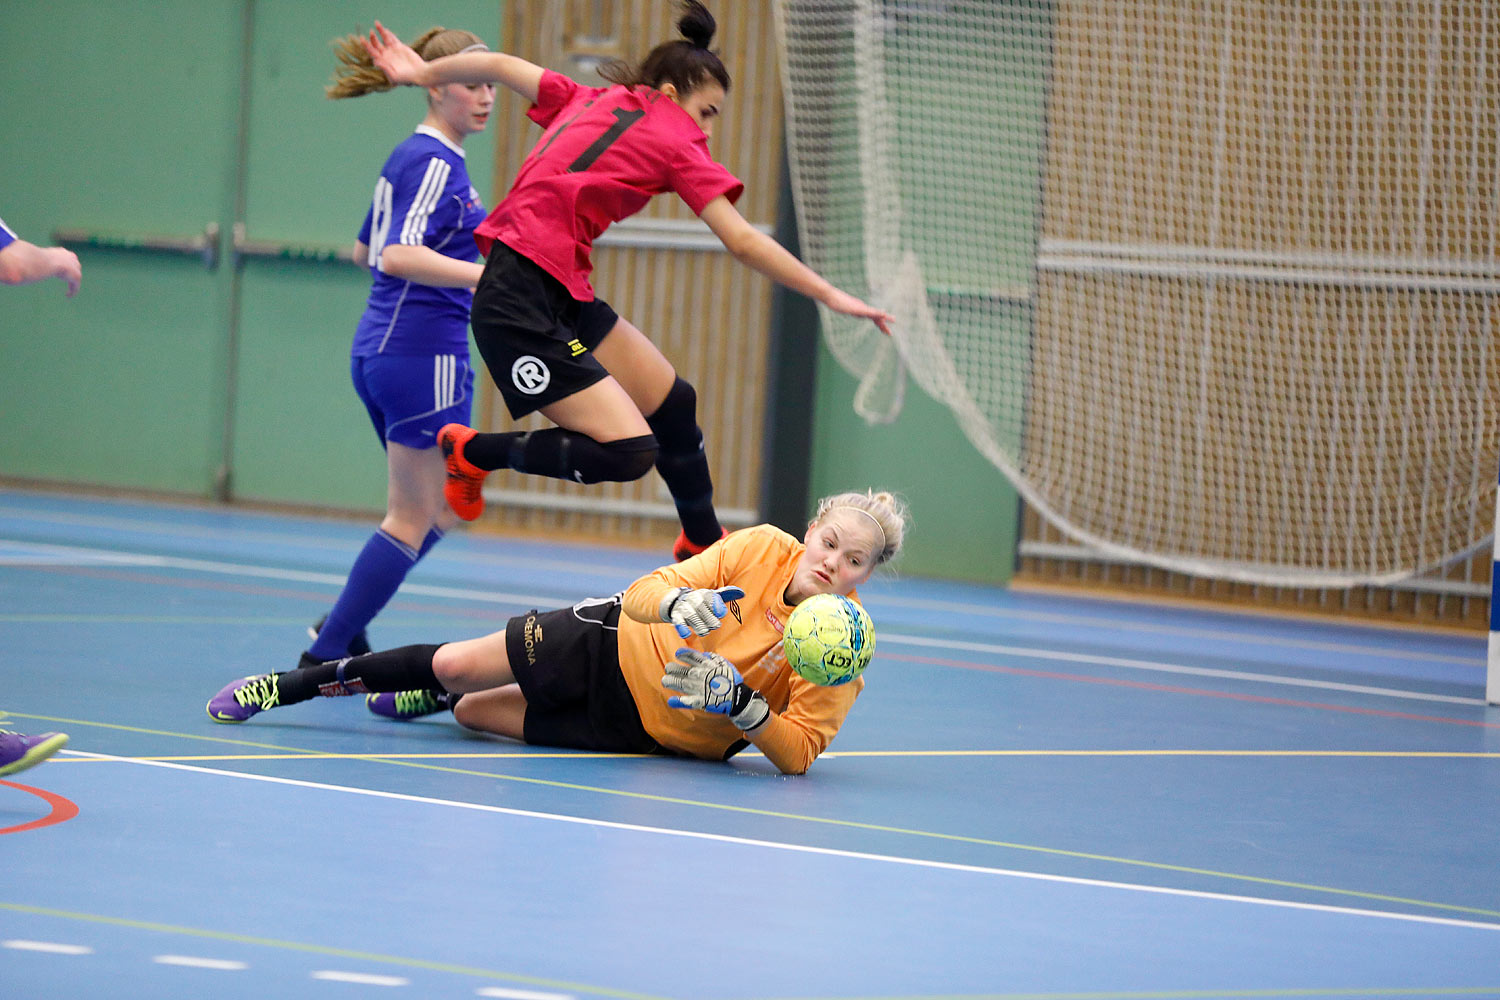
444, 381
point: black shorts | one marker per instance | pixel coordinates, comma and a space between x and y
568, 665
535, 338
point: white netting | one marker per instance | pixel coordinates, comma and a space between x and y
1214, 283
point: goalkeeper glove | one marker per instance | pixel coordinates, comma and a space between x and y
697, 611
709, 682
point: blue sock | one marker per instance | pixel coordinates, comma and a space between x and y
373, 579
433, 537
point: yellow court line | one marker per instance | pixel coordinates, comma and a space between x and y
952, 838
74, 619
294, 752
319, 755
826, 821
1159, 753
363, 956
586, 755
1291, 993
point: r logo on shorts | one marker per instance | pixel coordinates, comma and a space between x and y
530, 374
535, 338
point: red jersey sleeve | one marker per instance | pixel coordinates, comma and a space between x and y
698, 179
553, 94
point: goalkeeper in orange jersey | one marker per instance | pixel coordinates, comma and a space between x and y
687, 660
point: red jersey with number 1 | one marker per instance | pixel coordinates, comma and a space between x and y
604, 154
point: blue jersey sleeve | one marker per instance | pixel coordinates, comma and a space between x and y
7, 235
419, 209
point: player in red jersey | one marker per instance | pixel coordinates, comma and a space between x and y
550, 344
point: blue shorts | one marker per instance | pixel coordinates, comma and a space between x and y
410, 397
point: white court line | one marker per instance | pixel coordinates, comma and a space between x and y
505, 994
806, 849
48, 946
542, 600
194, 962
364, 978
317, 543
1218, 635
1168, 668
336, 580
979, 610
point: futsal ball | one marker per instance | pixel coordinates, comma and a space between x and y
829, 639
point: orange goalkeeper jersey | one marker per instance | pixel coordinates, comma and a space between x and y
804, 716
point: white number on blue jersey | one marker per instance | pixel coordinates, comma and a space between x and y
380, 219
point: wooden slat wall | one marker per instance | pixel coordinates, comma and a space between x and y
1127, 164
1465, 607
709, 314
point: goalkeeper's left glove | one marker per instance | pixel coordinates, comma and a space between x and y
699, 611
709, 682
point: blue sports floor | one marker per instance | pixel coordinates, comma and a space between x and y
1036, 796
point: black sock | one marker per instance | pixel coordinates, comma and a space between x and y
563, 454
491, 451
692, 489
683, 465
406, 668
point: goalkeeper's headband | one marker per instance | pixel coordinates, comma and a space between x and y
873, 520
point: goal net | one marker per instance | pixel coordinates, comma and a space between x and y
1214, 284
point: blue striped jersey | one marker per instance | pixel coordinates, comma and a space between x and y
7, 235
422, 198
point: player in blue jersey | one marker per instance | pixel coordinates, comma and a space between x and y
22, 263
410, 357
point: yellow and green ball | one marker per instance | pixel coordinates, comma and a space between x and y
829, 639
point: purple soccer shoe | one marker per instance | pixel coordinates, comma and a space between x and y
245, 697
19, 751
405, 705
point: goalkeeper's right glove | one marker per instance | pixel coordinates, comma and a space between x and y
709, 682
699, 611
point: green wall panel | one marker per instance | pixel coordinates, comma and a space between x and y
125, 123
313, 162
300, 433
126, 397
130, 127
964, 512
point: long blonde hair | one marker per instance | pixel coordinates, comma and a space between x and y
888, 510
356, 75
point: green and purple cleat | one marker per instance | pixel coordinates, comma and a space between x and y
245, 697
19, 751
405, 705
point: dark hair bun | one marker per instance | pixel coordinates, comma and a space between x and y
697, 25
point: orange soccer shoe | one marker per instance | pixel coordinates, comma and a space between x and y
684, 549
464, 488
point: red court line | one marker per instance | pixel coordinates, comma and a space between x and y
1174, 689
62, 809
